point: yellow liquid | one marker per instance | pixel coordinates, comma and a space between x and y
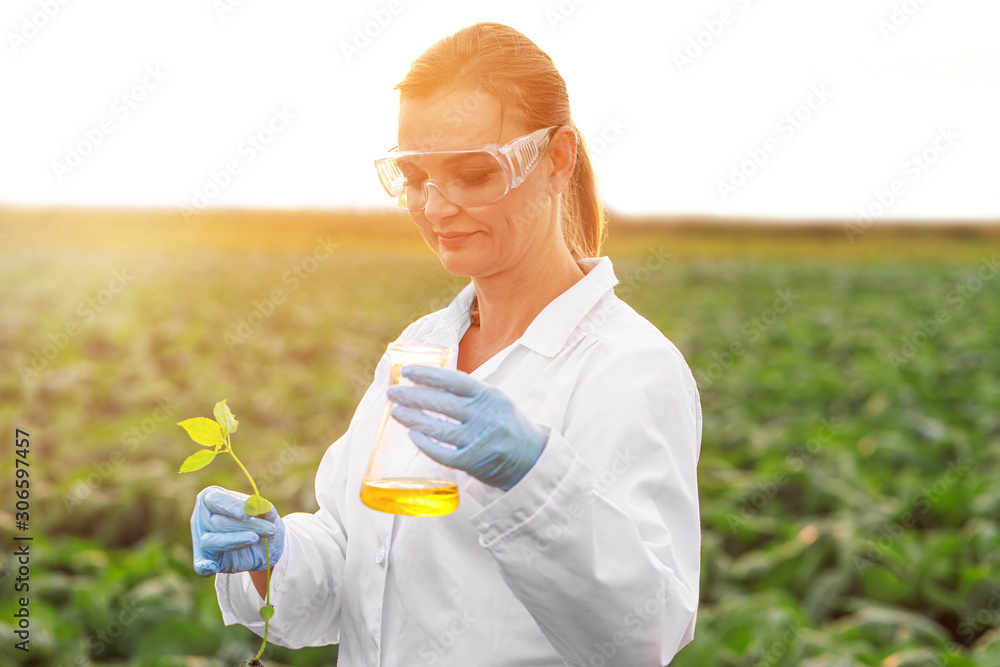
413, 497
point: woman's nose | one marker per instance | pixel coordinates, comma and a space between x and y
435, 203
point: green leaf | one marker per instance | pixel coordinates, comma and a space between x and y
267, 611
198, 460
256, 505
225, 417
204, 431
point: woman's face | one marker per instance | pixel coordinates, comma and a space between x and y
521, 226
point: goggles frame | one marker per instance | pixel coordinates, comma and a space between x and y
517, 158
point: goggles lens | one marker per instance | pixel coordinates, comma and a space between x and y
463, 177
467, 178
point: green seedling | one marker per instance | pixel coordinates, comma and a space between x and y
216, 436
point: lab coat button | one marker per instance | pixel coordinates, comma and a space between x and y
380, 555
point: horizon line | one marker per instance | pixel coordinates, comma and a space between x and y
651, 219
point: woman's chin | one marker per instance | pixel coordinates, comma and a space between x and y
458, 262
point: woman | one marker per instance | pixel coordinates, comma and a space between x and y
577, 538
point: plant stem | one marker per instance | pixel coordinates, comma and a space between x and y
267, 600
267, 551
229, 448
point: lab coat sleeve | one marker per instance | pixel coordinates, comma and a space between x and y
307, 578
601, 539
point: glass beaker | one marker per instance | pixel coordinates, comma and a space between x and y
400, 478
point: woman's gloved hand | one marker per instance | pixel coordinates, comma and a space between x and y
495, 442
225, 539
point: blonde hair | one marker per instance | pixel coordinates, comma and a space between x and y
499, 60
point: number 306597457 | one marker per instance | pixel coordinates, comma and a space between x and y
21, 473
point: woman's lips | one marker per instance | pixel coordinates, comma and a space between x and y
452, 240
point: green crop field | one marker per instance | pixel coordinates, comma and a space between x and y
851, 393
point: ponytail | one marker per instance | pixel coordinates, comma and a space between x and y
583, 218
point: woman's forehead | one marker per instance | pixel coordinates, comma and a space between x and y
457, 120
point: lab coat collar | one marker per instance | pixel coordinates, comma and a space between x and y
551, 328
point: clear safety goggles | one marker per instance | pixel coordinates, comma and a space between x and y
473, 177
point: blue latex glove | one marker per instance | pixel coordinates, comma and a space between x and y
225, 539
494, 441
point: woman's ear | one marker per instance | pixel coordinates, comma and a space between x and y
562, 152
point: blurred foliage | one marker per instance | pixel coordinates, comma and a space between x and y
848, 469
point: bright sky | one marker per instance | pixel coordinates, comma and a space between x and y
777, 108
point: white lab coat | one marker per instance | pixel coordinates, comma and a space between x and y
591, 559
